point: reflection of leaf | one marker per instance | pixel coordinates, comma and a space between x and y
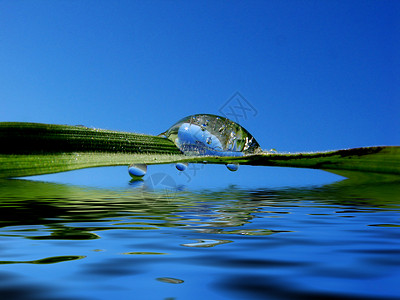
385, 225
33, 149
47, 260
67, 235
62, 212
170, 280
56, 259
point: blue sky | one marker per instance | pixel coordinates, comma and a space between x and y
320, 75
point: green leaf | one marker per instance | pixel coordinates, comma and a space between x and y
33, 149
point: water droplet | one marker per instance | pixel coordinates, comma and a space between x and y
211, 135
181, 166
137, 170
232, 167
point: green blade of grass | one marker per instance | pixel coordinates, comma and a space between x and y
33, 149
377, 159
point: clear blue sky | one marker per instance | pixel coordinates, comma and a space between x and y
320, 75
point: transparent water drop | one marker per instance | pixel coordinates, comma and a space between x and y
181, 166
205, 134
137, 171
232, 167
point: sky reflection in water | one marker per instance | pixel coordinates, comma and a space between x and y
338, 241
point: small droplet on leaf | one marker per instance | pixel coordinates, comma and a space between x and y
181, 166
137, 170
232, 167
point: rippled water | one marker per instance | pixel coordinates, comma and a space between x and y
338, 241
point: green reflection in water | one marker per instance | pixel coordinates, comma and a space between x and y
50, 211
170, 280
385, 225
47, 260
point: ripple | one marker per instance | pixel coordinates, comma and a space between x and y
170, 280
144, 253
250, 232
385, 225
223, 243
67, 236
111, 267
47, 260
270, 287
205, 243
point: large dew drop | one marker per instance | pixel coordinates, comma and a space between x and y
211, 135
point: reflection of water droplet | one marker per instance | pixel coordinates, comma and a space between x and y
136, 182
137, 170
211, 135
181, 166
232, 167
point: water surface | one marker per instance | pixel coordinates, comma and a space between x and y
336, 241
